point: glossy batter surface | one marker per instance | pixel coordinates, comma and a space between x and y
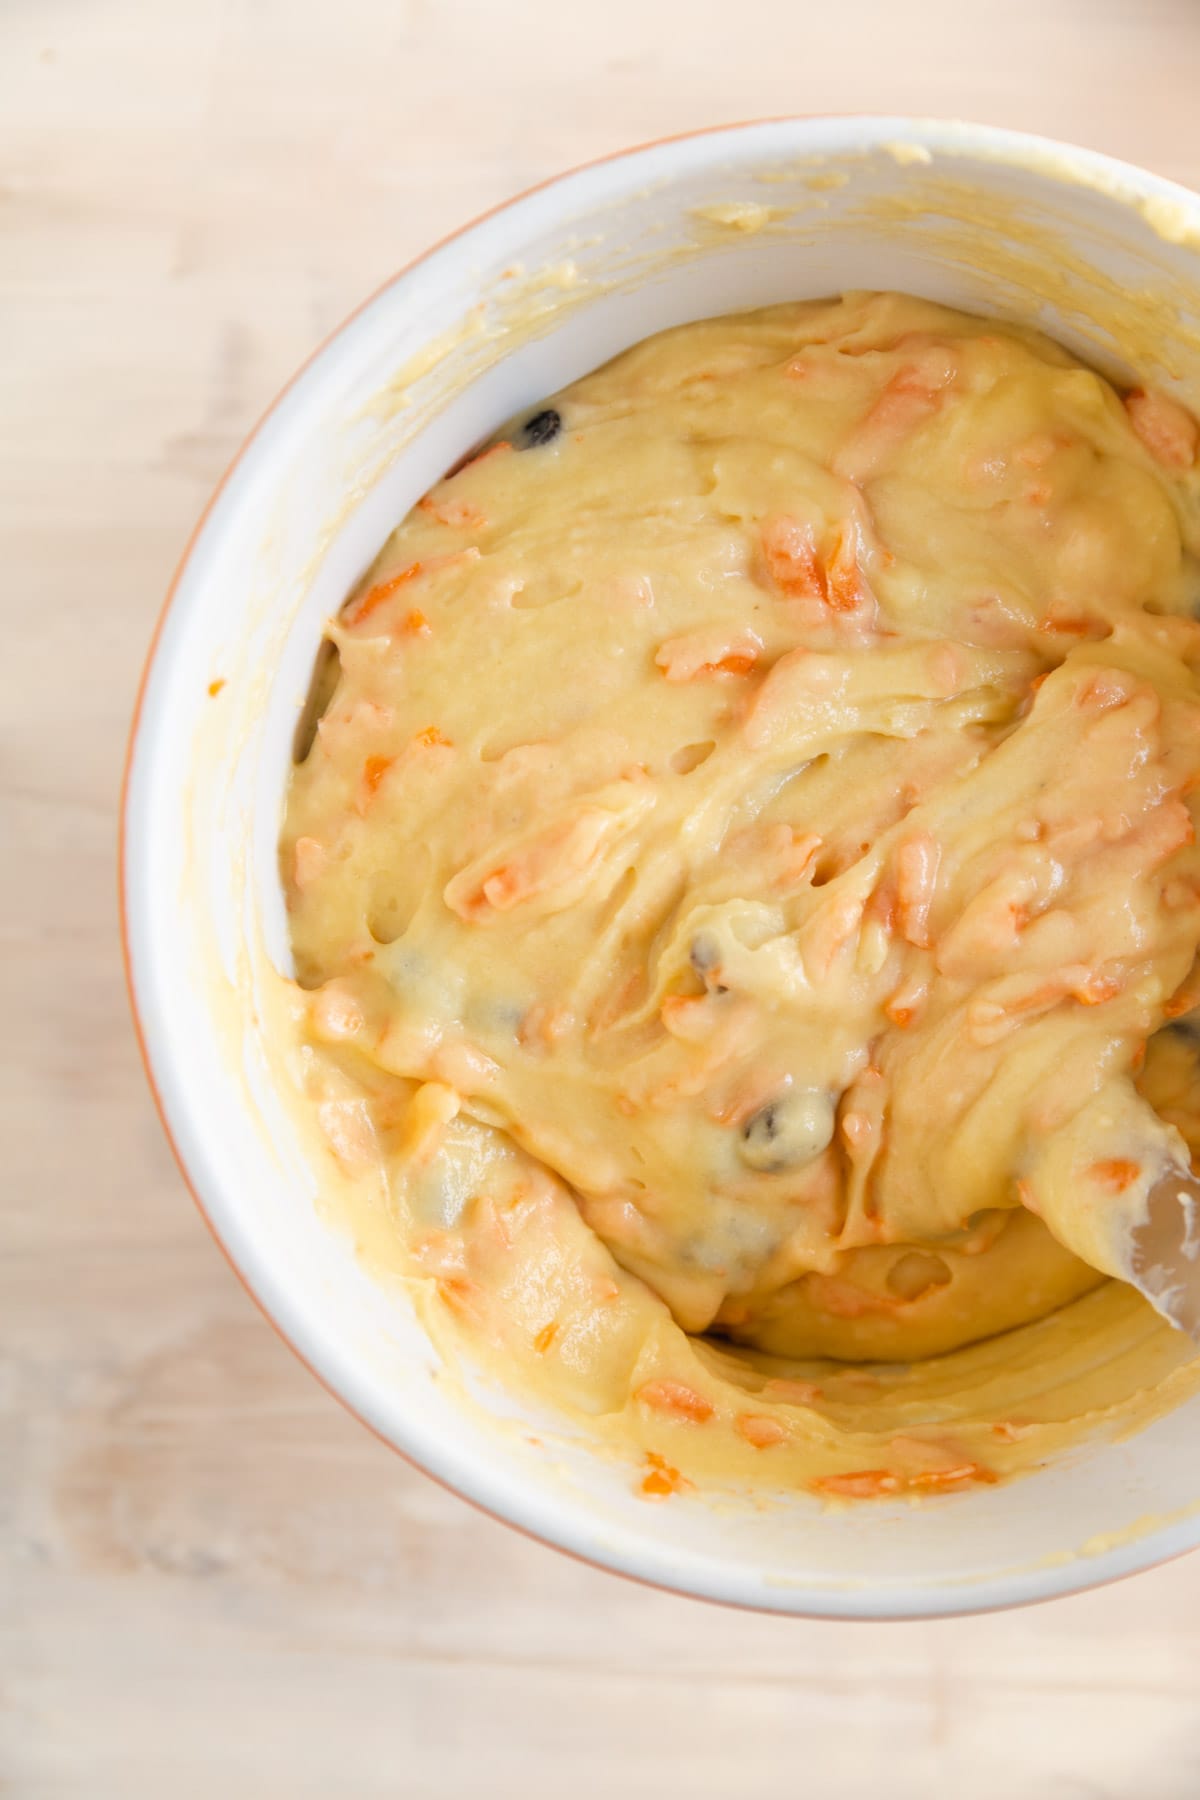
745, 850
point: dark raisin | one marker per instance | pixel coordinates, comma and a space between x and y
543, 428
788, 1132
705, 953
705, 958
764, 1125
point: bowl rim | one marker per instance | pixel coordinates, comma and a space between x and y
696, 1577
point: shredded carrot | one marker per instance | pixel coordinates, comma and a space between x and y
701, 655
1180, 894
857, 1129
911, 397
381, 593
845, 1300
676, 1399
1168, 829
883, 906
308, 861
336, 1015
795, 1393
926, 1481
797, 854
662, 1479
430, 737
1081, 627
1102, 692
1115, 1172
734, 664
846, 587
474, 462
497, 449
1087, 987
1036, 453
686, 1016
428, 1113
1186, 996
759, 1431
1166, 429
796, 569
545, 1337
916, 865
214, 687
374, 770
503, 887
861, 1484
542, 1026
416, 624
458, 514
1009, 1431
874, 1484
461, 1296
791, 558
1096, 990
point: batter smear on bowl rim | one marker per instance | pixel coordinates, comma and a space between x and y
741, 866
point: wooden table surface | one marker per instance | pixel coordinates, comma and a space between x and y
212, 1581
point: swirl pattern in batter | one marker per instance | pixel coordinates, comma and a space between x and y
743, 845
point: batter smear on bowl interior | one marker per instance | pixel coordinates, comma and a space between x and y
741, 862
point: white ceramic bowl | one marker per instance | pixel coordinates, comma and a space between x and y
491, 320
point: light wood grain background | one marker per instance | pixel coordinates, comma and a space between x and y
212, 1581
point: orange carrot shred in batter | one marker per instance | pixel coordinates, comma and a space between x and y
380, 594
1116, 1173
675, 1399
